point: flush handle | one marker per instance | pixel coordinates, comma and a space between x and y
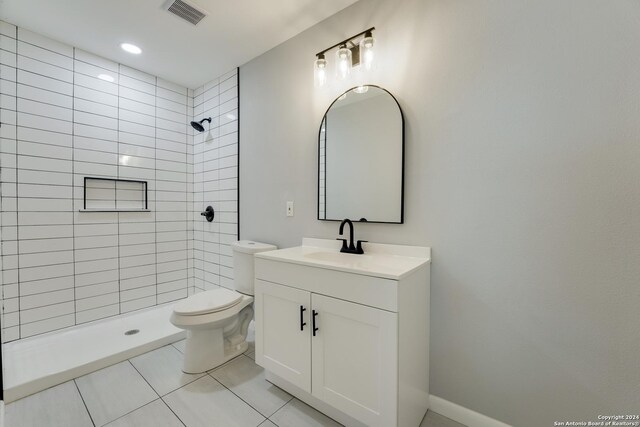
208, 213
315, 313
302, 322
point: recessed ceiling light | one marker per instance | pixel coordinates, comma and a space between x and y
106, 78
131, 48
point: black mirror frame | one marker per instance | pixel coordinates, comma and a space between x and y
402, 172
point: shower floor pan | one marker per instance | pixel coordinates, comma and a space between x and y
37, 363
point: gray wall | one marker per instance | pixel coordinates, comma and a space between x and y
522, 173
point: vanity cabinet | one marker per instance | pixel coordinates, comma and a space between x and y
355, 346
336, 350
352, 353
285, 342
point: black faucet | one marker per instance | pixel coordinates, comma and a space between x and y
351, 248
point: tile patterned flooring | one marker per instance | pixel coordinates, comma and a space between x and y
150, 390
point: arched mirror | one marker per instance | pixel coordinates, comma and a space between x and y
361, 158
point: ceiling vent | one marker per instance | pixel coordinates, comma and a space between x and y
186, 10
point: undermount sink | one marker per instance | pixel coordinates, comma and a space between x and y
361, 262
337, 257
379, 260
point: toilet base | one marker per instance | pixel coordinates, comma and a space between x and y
200, 358
206, 349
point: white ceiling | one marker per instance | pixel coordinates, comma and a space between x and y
234, 32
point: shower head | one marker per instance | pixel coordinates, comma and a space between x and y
198, 125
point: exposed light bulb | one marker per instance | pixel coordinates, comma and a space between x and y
367, 51
320, 71
343, 58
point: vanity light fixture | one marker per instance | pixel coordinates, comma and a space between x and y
344, 62
367, 51
320, 70
351, 52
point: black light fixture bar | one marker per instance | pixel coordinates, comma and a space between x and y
346, 40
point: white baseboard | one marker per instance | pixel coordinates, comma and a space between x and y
461, 414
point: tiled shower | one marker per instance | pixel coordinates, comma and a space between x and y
215, 167
68, 114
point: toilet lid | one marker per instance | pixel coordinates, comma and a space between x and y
207, 302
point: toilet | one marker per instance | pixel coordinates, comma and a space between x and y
216, 321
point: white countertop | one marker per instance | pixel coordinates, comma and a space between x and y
379, 260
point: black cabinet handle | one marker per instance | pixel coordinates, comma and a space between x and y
315, 313
302, 322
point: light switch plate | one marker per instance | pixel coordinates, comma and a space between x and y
289, 208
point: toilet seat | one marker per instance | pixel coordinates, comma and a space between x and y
207, 302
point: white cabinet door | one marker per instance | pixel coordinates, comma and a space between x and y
354, 359
283, 340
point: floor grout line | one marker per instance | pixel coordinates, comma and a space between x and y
174, 413
210, 373
83, 402
174, 346
133, 410
285, 404
247, 403
171, 391
158, 394
145, 380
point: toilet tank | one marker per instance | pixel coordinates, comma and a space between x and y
243, 251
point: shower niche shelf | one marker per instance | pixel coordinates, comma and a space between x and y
114, 195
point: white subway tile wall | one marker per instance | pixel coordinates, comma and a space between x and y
67, 114
9, 187
215, 164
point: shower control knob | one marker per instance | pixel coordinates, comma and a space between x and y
208, 213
